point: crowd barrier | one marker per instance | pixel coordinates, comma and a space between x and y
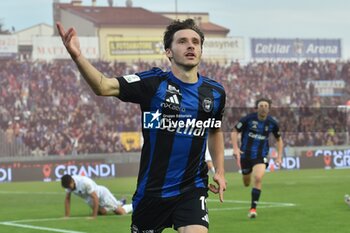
51, 168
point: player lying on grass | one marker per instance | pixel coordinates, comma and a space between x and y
98, 197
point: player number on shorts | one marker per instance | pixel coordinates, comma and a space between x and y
203, 202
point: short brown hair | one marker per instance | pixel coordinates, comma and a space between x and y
263, 100
178, 25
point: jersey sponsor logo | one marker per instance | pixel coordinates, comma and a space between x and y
131, 78
207, 104
189, 126
172, 106
173, 99
256, 136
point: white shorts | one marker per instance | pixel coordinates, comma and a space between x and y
106, 199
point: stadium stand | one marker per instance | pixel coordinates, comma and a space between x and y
47, 109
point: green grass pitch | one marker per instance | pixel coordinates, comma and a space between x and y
309, 201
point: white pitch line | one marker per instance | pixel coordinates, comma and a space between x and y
20, 192
260, 202
54, 193
38, 228
243, 208
261, 205
46, 219
16, 223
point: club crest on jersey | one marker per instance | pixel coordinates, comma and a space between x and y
207, 104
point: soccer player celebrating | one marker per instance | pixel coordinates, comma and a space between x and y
255, 129
180, 110
98, 197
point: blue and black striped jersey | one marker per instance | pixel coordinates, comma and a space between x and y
255, 135
176, 117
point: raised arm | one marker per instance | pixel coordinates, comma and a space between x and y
99, 83
216, 148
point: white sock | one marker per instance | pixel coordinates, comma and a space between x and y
127, 208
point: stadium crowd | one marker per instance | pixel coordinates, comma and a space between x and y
49, 108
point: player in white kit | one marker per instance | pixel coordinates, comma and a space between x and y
98, 197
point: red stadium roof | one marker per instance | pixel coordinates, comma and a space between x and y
130, 17
117, 16
211, 27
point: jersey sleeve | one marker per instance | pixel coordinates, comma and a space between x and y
241, 124
276, 131
219, 113
139, 87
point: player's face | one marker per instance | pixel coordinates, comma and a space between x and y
185, 49
72, 185
263, 109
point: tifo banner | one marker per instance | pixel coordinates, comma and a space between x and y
134, 47
131, 141
54, 170
295, 48
50, 48
8, 46
224, 48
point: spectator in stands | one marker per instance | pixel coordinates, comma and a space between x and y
25, 78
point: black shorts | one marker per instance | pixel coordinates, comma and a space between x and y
247, 164
154, 214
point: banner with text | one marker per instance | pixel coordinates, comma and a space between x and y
296, 48
224, 48
134, 47
50, 48
8, 46
54, 170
